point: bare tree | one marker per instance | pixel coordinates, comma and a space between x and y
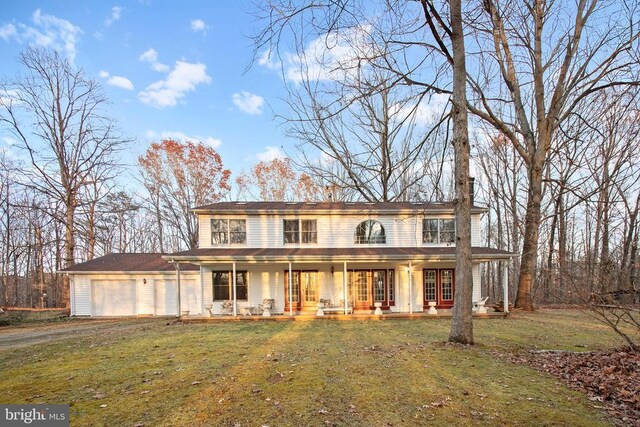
461, 322
530, 77
55, 112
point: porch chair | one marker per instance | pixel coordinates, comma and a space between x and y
349, 306
478, 306
226, 308
266, 307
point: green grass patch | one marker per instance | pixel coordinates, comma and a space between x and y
32, 317
356, 373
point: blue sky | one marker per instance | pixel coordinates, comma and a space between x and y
169, 69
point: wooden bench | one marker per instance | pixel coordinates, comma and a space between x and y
325, 306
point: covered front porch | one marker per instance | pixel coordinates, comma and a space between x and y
245, 283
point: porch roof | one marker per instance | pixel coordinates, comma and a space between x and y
427, 253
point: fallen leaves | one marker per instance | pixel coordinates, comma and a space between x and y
611, 378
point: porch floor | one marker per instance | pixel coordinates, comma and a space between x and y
309, 316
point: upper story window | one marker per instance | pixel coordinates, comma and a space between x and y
300, 230
225, 231
370, 232
438, 230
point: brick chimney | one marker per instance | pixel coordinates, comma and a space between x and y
472, 190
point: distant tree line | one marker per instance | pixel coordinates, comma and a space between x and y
553, 102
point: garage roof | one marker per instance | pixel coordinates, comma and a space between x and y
128, 262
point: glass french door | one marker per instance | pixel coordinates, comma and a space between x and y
439, 286
304, 289
370, 286
361, 290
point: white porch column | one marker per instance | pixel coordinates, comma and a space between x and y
235, 300
505, 286
201, 292
410, 290
290, 291
344, 287
177, 264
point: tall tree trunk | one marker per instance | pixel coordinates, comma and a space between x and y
461, 322
528, 263
562, 247
69, 247
91, 230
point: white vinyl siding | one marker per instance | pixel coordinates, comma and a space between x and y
476, 238
477, 288
166, 302
145, 297
190, 296
82, 296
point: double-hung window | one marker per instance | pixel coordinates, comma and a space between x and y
438, 230
299, 230
225, 231
223, 285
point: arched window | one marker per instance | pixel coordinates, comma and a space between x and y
370, 232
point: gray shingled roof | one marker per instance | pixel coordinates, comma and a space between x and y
128, 262
328, 207
311, 253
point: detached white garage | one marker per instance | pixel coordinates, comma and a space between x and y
133, 285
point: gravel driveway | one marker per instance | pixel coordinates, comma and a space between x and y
12, 337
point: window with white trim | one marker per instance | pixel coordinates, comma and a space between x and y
223, 285
369, 232
438, 230
295, 231
225, 231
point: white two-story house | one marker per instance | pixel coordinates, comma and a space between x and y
399, 257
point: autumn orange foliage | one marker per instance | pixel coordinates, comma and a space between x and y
184, 175
276, 180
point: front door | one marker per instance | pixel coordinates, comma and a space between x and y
362, 300
304, 290
439, 287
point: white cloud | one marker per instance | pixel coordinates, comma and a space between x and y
9, 140
248, 102
103, 74
116, 14
426, 113
151, 56
7, 31
9, 96
181, 136
182, 79
199, 25
331, 56
121, 82
266, 60
47, 31
270, 153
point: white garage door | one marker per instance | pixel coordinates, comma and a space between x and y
113, 298
166, 298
